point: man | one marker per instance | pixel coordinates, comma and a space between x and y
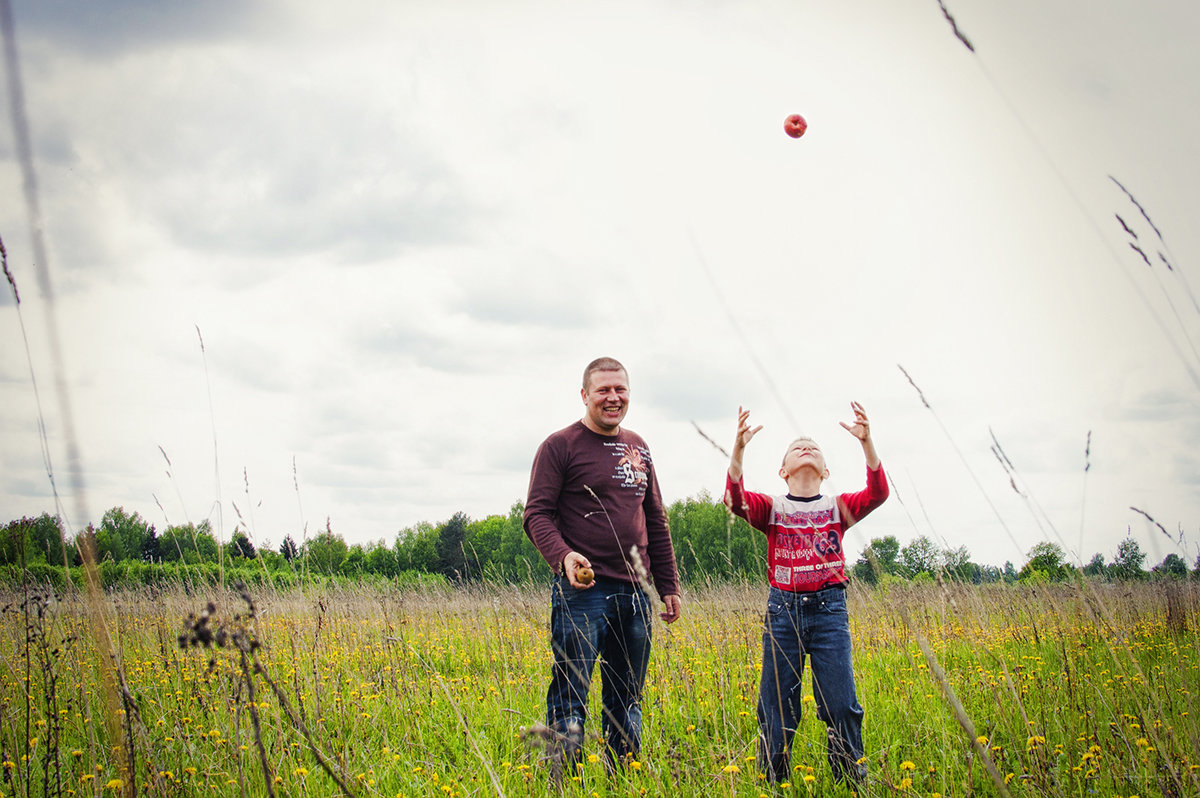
595, 513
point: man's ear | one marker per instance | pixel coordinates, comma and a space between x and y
583, 395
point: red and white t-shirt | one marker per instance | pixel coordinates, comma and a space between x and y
804, 536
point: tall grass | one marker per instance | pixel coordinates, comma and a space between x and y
1071, 691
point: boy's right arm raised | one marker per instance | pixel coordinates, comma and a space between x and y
754, 507
744, 435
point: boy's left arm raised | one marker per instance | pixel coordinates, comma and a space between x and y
861, 429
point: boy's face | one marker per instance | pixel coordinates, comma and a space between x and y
803, 453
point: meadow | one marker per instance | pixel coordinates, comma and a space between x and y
1029, 689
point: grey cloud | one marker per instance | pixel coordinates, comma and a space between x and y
1155, 403
259, 364
284, 188
469, 349
544, 295
692, 388
96, 28
242, 156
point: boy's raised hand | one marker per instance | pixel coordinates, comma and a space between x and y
744, 434
861, 428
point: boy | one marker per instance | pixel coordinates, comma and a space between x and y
806, 607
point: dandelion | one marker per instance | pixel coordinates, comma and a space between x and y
982, 739
906, 765
731, 769
114, 785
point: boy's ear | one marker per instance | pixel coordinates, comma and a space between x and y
783, 473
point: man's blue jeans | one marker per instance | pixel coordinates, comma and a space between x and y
609, 621
816, 625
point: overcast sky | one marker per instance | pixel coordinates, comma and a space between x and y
402, 230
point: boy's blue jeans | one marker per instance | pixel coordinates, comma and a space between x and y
817, 625
610, 622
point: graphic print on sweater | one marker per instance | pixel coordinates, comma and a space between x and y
633, 465
807, 546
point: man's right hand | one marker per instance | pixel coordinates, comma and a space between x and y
571, 565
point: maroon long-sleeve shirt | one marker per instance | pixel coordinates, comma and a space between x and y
599, 495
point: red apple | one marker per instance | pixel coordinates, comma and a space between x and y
795, 126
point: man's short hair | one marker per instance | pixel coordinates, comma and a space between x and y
601, 364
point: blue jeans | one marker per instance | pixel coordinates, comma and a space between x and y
815, 625
611, 622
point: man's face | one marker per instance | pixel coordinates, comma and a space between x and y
803, 453
606, 399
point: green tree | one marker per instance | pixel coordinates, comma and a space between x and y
188, 543
880, 557
451, 553
355, 562
1172, 567
326, 552
240, 546
482, 545
703, 532
124, 536
381, 560
990, 574
416, 548
35, 540
1095, 566
288, 548
959, 567
1047, 559
922, 556
518, 559
1127, 565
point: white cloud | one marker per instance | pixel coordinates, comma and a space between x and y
403, 229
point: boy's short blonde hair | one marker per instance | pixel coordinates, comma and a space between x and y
793, 443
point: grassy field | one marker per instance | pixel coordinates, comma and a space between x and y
1051, 690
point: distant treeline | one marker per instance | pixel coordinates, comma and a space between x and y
711, 546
